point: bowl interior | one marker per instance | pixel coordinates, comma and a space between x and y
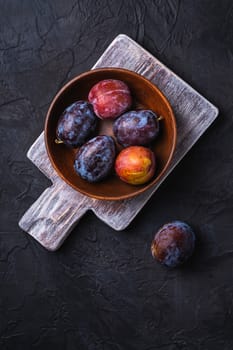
145, 96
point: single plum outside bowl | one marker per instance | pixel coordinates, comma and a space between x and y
145, 96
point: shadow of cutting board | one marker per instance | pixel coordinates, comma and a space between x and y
51, 218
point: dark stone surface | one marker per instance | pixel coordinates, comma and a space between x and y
102, 289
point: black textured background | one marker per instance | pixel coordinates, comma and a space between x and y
102, 290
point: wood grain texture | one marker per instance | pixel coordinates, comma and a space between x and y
51, 218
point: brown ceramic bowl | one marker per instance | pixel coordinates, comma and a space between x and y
145, 95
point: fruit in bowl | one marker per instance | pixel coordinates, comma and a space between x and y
94, 160
110, 98
76, 124
139, 127
135, 165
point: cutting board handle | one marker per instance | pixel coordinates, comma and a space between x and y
51, 218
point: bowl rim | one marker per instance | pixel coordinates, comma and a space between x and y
138, 190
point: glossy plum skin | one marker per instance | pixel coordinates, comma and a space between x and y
135, 165
95, 159
76, 124
173, 244
110, 98
139, 127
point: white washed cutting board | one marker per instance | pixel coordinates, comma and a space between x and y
51, 218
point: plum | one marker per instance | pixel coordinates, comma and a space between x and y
136, 128
76, 124
135, 165
110, 98
95, 159
173, 244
